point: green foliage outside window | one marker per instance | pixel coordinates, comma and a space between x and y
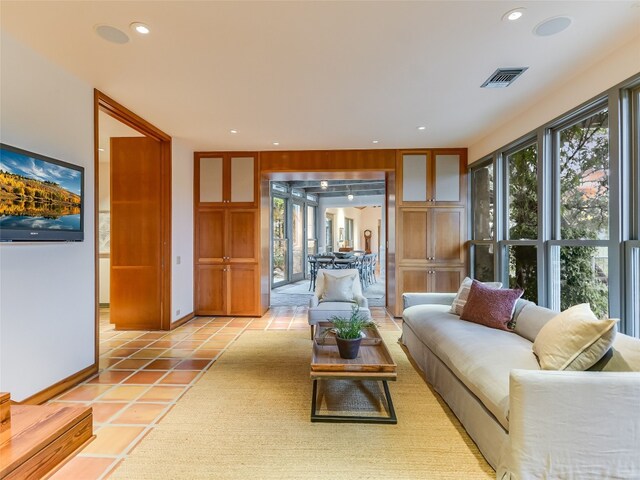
584, 214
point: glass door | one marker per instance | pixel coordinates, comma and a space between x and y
312, 241
297, 244
279, 255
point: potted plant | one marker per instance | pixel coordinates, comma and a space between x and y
349, 332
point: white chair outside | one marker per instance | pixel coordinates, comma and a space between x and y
322, 307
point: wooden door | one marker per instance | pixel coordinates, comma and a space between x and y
211, 289
136, 236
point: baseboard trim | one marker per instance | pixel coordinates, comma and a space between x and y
64, 384
182, 321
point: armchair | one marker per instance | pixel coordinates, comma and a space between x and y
329, 300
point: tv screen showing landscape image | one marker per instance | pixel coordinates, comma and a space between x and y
40, 197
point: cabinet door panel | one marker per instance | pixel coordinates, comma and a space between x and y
243, 290
242, 179
413, 280
211, 179
241, 240
447, 235
211, 290
446, 280
414, 178
211, 230
414, 235
447, 178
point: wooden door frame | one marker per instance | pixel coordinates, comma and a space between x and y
327, 164
114, 109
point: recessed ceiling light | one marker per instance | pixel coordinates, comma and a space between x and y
514, 14
140, 28
422, 127
552, 26
111, 34
233, 131
101, 149
276, 143
376, 141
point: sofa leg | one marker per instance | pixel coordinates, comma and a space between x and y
311, 326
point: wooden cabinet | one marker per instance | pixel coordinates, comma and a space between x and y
226, 179
431, 236
434, 279
432, 177
227, 234
430, 222
227, 289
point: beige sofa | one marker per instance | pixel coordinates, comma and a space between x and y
529, 423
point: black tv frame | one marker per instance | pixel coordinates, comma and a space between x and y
37, 235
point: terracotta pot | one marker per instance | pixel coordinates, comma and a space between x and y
348, 347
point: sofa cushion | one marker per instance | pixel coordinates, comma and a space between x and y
480, 357
623, 356
574, 339
492, 307
530, 319
463, 293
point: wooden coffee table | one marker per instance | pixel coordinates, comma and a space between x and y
374, 362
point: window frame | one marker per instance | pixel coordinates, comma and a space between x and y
623, 104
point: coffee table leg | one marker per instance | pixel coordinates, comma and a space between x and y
313, 400
391, 419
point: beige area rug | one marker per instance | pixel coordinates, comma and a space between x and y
248, 419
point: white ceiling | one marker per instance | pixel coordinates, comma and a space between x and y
316, 75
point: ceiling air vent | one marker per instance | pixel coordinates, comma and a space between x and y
503, 77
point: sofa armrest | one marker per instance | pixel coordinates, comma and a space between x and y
314, 301
411, 299
362, 301
572, 425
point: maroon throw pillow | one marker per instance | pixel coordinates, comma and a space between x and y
492, 307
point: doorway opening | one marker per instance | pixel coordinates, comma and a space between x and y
133, 223
319, 223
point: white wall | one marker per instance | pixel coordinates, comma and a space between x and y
331, 204
182, 226
47, 291
593, 80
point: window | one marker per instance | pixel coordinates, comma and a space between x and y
329, 232
483, 203
521, 216
348, 234
279, 232
581, 160
558, 213
522, 167
583, 157
483, 227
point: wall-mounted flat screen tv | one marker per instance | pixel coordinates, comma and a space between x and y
41, 198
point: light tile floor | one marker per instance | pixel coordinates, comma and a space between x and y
144, 374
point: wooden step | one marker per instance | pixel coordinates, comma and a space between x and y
39, 437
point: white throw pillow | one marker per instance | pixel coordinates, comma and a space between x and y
463, 293
338, 289
574, 339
